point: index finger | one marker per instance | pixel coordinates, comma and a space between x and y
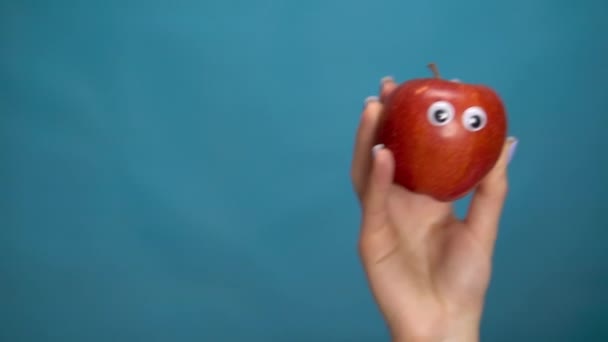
366, 135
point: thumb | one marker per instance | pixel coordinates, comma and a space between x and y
488, 200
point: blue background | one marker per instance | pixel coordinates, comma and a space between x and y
178, 171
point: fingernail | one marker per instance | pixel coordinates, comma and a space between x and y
386, 79
377, 148
370, 99
512, 149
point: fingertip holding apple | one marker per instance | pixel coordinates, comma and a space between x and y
387, 86
370, 99
376, 149
386, 79
512, 148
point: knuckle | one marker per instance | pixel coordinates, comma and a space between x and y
360, 247
363, 247
353, 174
503, 185
500, 188
356, 182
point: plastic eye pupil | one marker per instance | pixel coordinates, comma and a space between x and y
441, 115
475, 122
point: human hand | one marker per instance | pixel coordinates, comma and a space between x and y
427, 269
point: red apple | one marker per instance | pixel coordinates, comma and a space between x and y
445, 135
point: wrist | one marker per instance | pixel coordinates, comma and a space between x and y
462, 329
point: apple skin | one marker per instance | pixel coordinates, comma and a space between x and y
437, 156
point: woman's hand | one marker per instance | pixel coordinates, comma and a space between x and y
427, 269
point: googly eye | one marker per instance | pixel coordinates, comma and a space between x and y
440, 113
474, 119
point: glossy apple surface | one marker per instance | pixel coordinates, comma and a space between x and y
445, 135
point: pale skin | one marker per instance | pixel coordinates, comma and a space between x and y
427, 269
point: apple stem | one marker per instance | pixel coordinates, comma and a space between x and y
435, 70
